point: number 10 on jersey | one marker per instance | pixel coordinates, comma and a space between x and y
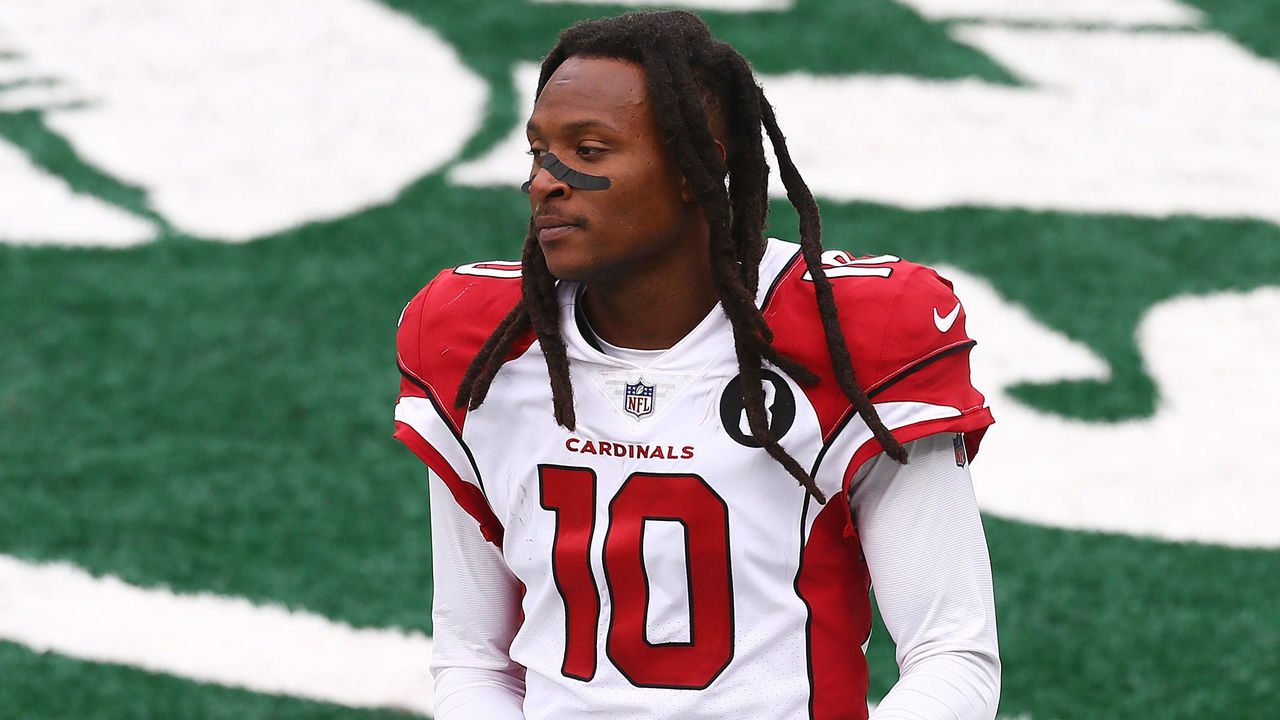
570, 492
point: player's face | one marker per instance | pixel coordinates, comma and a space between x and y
595, 116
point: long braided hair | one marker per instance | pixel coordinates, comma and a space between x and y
687, 69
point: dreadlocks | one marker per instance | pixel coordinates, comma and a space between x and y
687, 70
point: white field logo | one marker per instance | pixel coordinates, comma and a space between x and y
238, 118
331, 106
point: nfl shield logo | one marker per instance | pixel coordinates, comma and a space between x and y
639, 399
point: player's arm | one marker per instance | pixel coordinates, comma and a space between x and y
476, 609
927, 554
475, 614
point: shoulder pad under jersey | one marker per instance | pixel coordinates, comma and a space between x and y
896, 316
447, 322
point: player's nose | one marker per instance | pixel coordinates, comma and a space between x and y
543, 185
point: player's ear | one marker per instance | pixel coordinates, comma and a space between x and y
686, 192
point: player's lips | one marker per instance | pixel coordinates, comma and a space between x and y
552, 227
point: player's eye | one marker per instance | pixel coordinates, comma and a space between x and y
536, 153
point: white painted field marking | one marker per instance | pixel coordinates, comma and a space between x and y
1200, 469
1141, 123
27, 86
1147, 124
57, 607
37, 208
47, 212
208, 638
506, 163
242, 118
235, 135
1109, 12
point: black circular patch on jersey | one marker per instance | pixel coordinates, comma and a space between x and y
782, 411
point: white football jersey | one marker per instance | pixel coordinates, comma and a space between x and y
671, 568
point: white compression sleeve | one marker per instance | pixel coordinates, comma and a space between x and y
927, 554
475, 614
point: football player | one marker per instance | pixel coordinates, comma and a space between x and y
670, 457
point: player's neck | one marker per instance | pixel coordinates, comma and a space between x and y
648, 315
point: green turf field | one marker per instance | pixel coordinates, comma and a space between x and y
197, 375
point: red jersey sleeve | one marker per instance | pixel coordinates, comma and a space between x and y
905, 329
923, 360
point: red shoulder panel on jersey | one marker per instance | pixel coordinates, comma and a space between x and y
905, 329
447, 322
440, 332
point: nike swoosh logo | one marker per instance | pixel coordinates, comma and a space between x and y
944, 323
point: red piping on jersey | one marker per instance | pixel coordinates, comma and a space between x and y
972, 423
434, 396
901, 372
468, 496
885, 384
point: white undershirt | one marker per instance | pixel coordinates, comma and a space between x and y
640, 358
924, 545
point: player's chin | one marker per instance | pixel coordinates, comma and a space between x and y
568, 257
570, 270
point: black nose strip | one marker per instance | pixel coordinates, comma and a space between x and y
569, 176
